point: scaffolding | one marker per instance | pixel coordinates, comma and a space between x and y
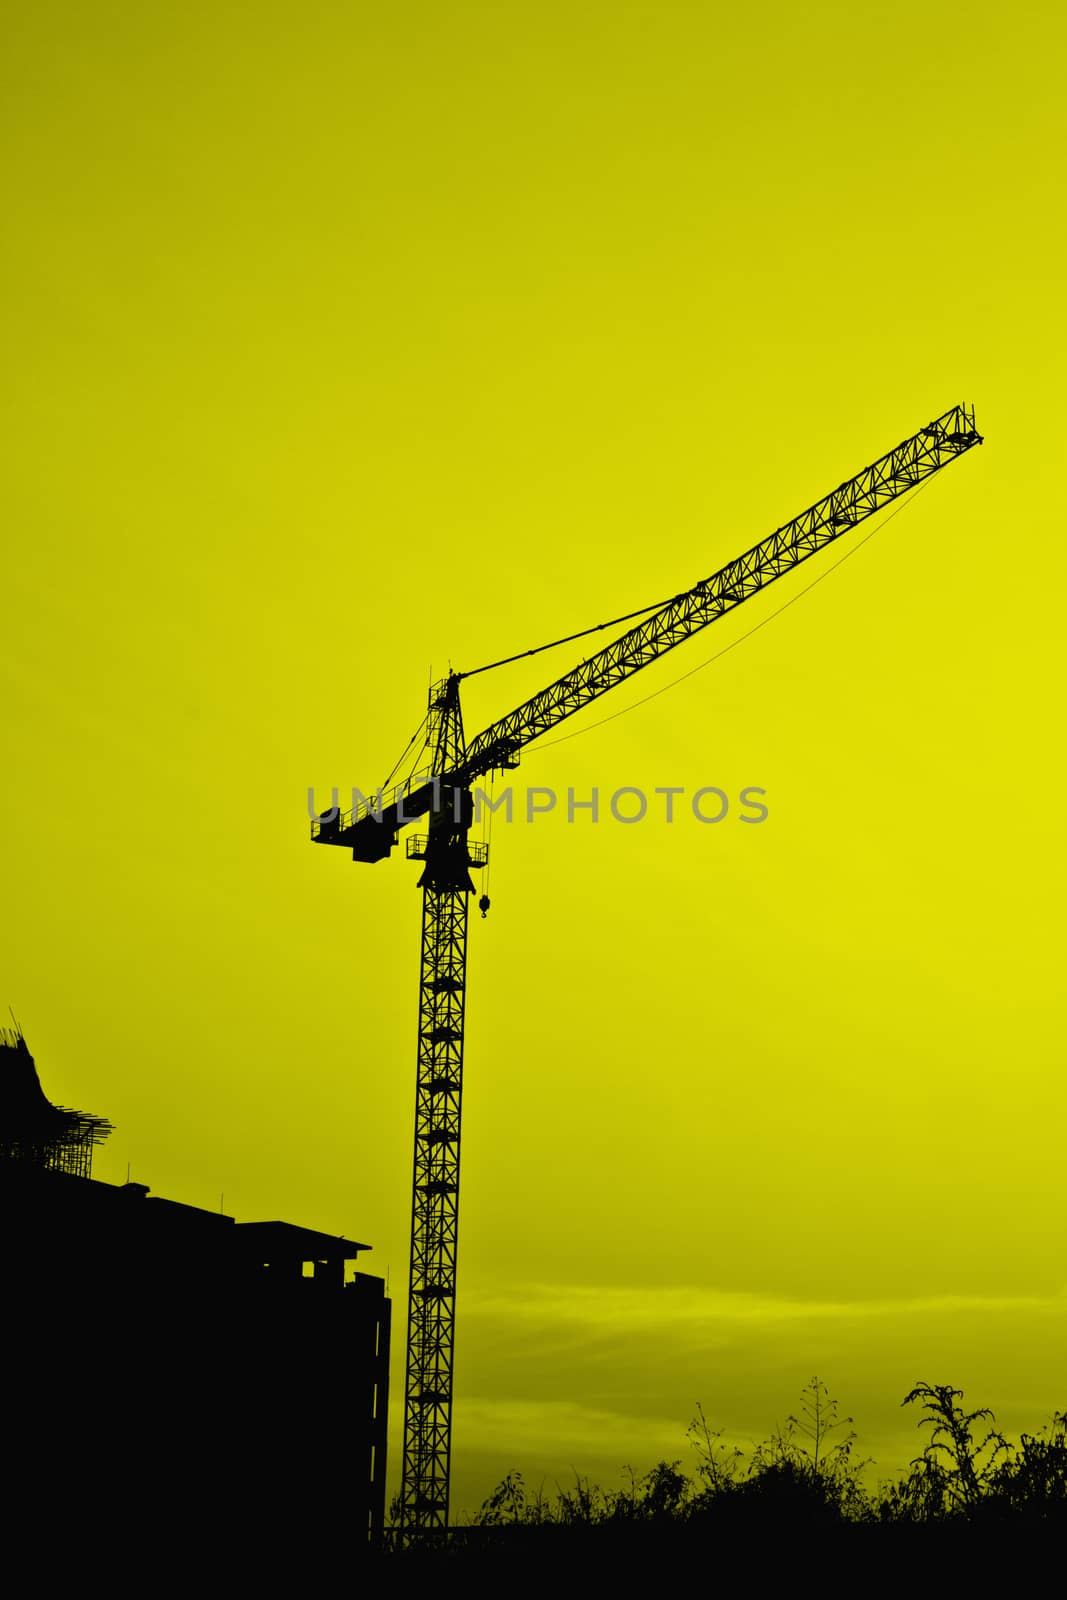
32, 1129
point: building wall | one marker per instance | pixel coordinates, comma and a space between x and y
175, 1382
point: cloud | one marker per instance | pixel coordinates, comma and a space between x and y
614, 1310
555, 1378
574, 1431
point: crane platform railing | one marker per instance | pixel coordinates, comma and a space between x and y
334, 821
418, 845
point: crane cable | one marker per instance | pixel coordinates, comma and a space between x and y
399, 760
905, 502
488, 837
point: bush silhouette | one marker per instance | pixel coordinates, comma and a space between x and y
804, 1478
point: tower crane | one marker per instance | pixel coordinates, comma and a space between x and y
443, 796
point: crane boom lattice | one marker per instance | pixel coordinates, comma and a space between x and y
448, 854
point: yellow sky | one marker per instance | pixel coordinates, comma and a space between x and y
347, 341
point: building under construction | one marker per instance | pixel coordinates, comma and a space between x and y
176, 1379
32, 1129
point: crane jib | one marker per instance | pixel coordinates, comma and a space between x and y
892, 475
370, 828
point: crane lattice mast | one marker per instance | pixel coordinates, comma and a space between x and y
443, 796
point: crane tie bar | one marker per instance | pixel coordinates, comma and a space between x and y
597, 627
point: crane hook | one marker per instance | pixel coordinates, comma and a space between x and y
483, 905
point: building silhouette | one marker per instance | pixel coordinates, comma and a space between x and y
178, 1380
